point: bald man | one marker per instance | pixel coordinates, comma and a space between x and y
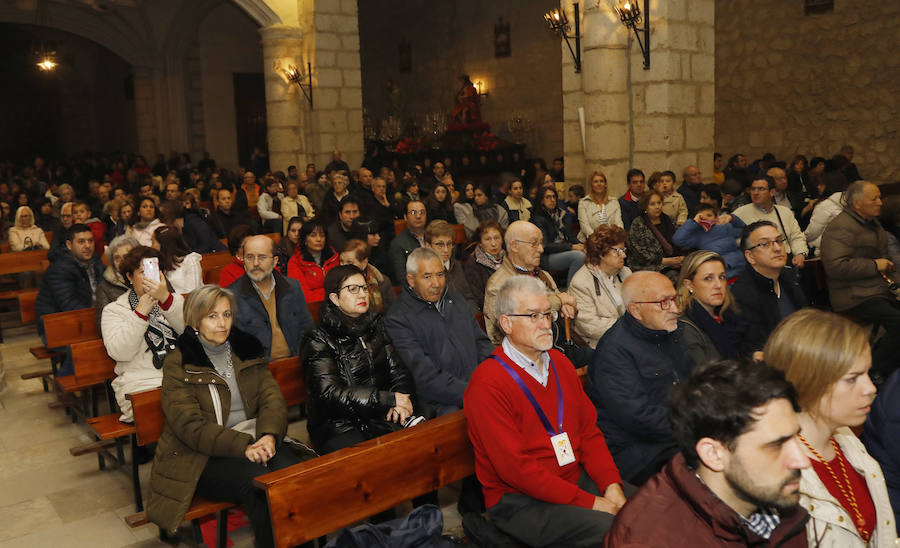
524, 245
271, 307
691, 186
635, 364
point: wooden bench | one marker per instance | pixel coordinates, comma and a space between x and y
23, 261
148, 424
322, 495
62, 329
288, 373
212, 264
314, 310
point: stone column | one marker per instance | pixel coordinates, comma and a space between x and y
285, 102
145, 112
331, 40
656, 119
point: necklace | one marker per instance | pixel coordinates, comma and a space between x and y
845, 487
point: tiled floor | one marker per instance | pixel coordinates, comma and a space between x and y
50, 498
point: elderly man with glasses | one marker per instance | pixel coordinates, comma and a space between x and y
270, 306
524, 246
635, 364
547, 475
766, 292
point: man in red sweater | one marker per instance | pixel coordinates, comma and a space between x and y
547, 474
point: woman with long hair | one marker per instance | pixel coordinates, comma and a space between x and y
439, 205
650, 238
287, 246
827, 358
24, 235
312, 260
145, 221
178, 262
597, 207
516, 205
712, 327
562, 251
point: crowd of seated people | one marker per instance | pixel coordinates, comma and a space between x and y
673, 290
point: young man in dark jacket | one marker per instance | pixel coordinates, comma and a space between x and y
226, 217
435, 333
271, 307
736, 481
765, 291
70, 282
635, 364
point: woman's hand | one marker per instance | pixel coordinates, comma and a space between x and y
145, 304
673, 261
157, 289
402, 408
262, 450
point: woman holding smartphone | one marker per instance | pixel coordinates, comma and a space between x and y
141, 326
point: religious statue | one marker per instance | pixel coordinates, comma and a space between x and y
467, 109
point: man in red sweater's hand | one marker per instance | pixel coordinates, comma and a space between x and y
547, 474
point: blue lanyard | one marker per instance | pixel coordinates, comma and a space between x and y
537, 408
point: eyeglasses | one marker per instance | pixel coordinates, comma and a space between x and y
250, 258
664, 304
619, 250
765, 244
535, 317
534, 244
355, 289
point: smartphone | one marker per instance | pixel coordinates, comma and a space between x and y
150, 268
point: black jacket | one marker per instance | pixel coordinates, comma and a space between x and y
550, 231
66, 287
442, 348
199, 235
629, 379
223, 223
755, 295
630, 211
351, 373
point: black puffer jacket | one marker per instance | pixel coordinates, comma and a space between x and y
352, 374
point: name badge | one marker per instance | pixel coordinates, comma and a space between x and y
563, 449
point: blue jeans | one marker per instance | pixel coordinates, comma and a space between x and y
566, 260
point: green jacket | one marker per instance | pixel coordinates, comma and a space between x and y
192, 392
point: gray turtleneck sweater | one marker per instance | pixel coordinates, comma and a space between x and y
218, 355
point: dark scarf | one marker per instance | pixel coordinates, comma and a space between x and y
664, 238
160, 337
485, 212
556, 217
726, 335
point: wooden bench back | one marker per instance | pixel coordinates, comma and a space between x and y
212, 264
148, 414
288, 374
91, 360
66, 328
314, 310
26, 306
322, 495
23, 261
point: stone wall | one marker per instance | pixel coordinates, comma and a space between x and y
788, 83
655, 119
454, 37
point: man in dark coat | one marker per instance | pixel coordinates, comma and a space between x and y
411, 238
635, 364
765, 291
690, 187
628, 202
736, 481
435, 333
70, 281
226, 217
270, 306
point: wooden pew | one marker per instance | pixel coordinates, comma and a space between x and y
288, 373
148, 423
327, 493
23, 261
62, 329
314, 310
324, 494
212, 265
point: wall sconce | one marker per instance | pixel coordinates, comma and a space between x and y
295, 76
480, 87
631, 17
559, 24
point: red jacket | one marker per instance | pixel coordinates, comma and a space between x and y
231, 272
512, 449
311, 276
675, 509
98, 230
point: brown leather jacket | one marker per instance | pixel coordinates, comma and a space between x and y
675, 509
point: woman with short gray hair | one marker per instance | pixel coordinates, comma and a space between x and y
113, 283
225, 418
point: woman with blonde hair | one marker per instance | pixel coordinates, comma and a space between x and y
827, 358
26, 235
712, 327
597, 208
